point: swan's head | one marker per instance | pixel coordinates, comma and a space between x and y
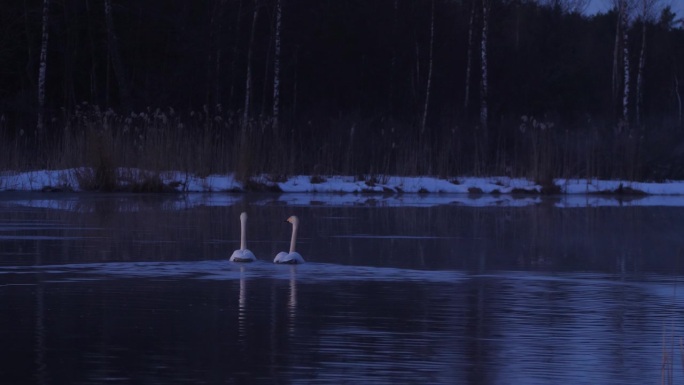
293, 219
243, 216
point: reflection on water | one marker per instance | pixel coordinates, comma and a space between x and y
123, 290
543, 236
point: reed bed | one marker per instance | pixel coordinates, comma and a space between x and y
215, 141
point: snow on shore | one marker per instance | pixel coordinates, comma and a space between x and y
44, 180
345, 191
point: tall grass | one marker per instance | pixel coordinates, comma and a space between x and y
213, 140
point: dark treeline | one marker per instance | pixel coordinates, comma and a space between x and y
440, 87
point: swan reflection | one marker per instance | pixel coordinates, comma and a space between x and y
242, 306
292, 300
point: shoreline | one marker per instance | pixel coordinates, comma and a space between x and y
135, 180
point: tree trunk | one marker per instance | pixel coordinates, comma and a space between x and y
112, 44
276, 65
430, 64
625, 64
213, 97
679, 101
640, 74
70, 45
30, 69
483, 51
469, 59
616, 55
92, 74
42, 69
219, 53
248, 77
393, 61
647, 8
233, 62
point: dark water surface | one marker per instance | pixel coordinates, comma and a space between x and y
126, 289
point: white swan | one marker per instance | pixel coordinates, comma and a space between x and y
292, 256
243, 255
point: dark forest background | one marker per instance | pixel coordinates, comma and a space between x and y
438, 87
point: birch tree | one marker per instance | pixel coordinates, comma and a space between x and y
215, 53
484, 113
233, 62
248, 77
616, 55
42, 69
621, 77
276, 64
646, 14
113, 49
430, 65
469, 57
625, 63
393, 60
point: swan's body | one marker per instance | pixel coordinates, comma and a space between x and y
292, 257
243, 254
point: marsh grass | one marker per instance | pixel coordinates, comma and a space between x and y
100, 143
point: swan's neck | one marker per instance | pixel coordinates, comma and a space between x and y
243, 234
294, 238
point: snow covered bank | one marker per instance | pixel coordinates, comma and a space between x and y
68, 180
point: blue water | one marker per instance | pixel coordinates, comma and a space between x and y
129, 289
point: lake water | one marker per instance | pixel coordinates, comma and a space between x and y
137, 289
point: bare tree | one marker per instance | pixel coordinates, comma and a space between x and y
93, 61
276, 64
484, 113
616, 55
679, 99
233, 62
42, 69
621, 52
624, 17
393, 61
646, 13
469, 58
113, 49
248, 77
215, 53
430, 65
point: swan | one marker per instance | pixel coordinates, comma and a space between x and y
293, 256
243, 254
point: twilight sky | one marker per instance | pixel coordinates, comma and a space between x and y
603, 5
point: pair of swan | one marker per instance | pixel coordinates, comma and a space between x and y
244, 255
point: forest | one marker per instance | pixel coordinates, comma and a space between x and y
538, 89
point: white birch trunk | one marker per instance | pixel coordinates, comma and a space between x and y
679, 99
231, 70
276, 65
215, 54
640, 74
393, 62
625, 63
429, 77
483, 51
115, 57
647, 8
219, 53
616, 55
469, 58
42, 69
248, 78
